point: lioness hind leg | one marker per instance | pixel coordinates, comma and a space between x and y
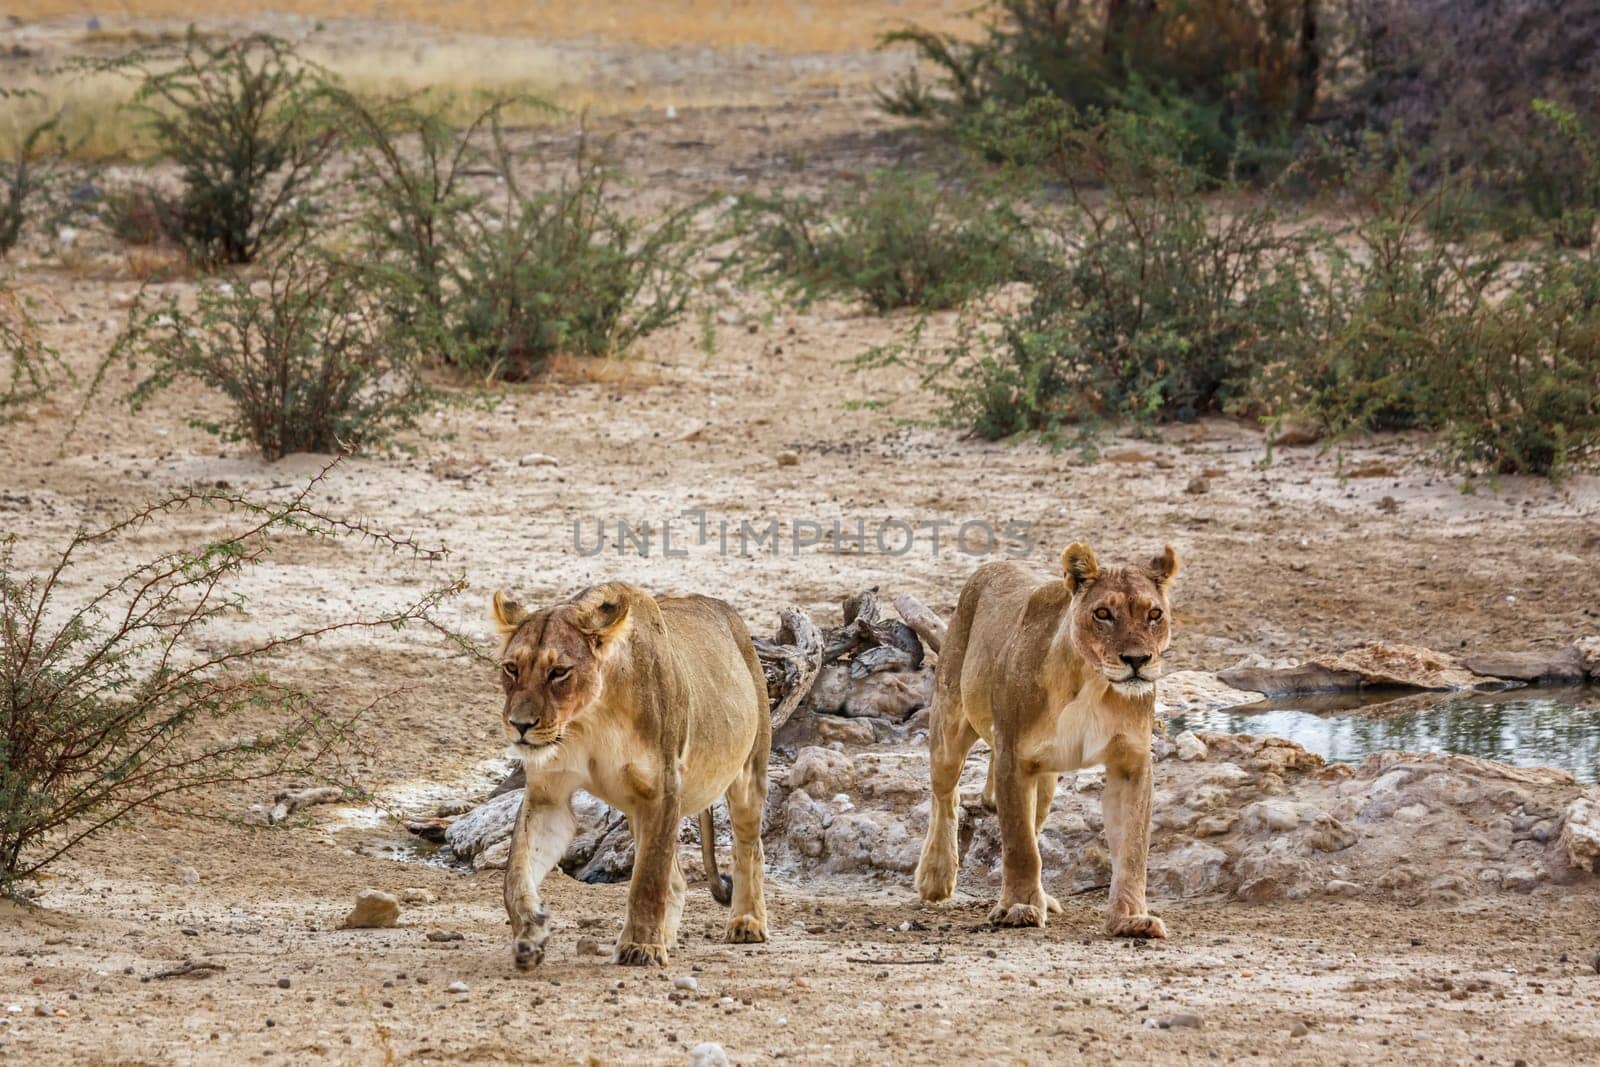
543, 829
746, 800
950, 738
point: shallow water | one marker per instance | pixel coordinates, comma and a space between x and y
1546, 728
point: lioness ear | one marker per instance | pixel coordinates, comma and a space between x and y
602, 614
1079, 566
508, 614
1164, 568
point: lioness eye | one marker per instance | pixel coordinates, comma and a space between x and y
1103, 614
558, 673
510, 669
1155, 614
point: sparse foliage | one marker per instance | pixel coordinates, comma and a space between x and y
245, 122
308, 356
133, 693
893, 240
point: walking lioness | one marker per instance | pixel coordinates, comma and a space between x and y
657, 707
1055, 674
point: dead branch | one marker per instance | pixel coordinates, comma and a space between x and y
790, 659
923, 620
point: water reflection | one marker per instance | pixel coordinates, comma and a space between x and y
1553, 728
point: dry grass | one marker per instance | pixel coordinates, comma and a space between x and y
786, 25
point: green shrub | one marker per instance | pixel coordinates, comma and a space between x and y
32, 367
564, 272
893, 240
499, 280
308, 356
1500, 355
23, 177
1236, 75
1152, 305
245, 122
120, 695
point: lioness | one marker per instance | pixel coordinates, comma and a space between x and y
656, 707
1055, 674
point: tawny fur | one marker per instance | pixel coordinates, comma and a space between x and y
657, 707
1035, 666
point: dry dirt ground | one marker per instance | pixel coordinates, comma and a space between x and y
1283, 559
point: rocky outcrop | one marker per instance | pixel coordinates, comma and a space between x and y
1374, 666
1257, 819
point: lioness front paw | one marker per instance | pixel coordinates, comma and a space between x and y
528, 954
1017, 915
638, 954
1136, 926
746, 930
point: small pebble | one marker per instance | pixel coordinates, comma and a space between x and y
686, 981
788, 459
456, 987
588, 946
1187, 1020
444, 935
1299, 1029
284, 983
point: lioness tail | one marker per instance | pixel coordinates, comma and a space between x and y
721, 884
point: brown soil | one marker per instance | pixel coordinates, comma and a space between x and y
1285, 559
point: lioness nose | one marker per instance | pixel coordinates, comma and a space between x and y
524, 727
1135, 662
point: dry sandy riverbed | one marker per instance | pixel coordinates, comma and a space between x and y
1287, 559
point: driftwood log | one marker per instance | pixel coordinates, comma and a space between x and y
922, 619
790, 659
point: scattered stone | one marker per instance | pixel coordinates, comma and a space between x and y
788, 459
445, 935
414, 895
708, 1054
1299, 1029
456, 987
1190, 747
1298, 434
588, 946
289, 801
1187, 1020
188, 876
845, 731
822, 772
1560, 667
687, 982
374, 910
1338, 887
284, 983
1198, 485
538, 459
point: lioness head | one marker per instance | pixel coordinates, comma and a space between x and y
1119, 616
550, 663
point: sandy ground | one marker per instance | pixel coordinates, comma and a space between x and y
1282, 559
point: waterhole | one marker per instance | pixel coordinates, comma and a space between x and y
1525, 727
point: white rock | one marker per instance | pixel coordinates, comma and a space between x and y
822, 772
456, 987
709, 1054
686, 981
374, 910
1271, 815
1190, 747
538, 459
1580, 836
